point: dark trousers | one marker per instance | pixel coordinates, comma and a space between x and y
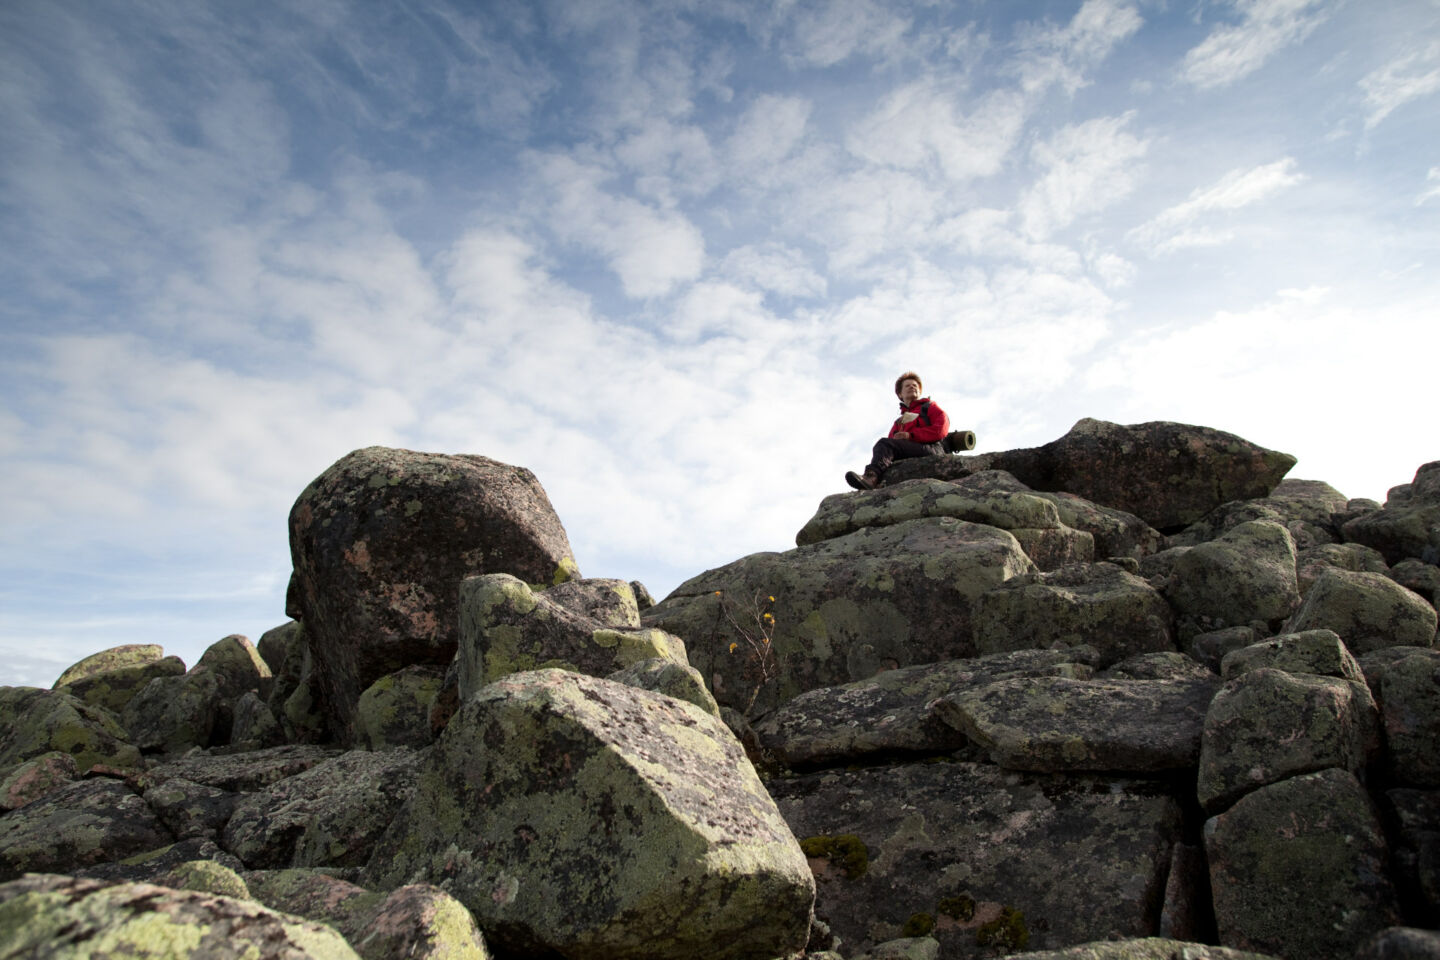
887, 451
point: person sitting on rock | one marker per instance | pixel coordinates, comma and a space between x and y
918, 432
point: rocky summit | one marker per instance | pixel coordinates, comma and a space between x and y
1131, 695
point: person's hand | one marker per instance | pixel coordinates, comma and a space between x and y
902, 435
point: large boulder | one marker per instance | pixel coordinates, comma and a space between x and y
1297, 868
35, 722
1168, 474
1266, 725
175, 714
844, 609
1247, 574
394, 711
114, 658
1054, 724
78, 825
981, 855
29, 780
1305, 508
379, 542
329, 816
1368, 610
1099, 604
896, 711
1032, 520
68, 918
111, 677
1410, 710
506, 627
1310, 564
593, 819
1408, 527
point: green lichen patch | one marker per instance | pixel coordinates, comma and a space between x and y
918, 925
1006, 932
960, 907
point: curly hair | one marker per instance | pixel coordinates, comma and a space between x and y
909, 375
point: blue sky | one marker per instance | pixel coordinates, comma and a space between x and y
670, 256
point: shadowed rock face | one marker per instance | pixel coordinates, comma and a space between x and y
1168, 474
380, 543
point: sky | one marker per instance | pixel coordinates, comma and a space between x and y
671, 257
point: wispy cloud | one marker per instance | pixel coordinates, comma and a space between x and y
826, 34
1087, 167
1432, 187
921, 126
1407, 78
1183, 225
1236, 50
1063, 55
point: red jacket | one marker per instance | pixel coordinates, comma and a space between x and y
919, 432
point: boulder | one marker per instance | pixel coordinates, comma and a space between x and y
1168, 474
1247, 574
678, 680
1369, 611
156, 866
1267, 725
1211, 647
1409, 524
329, 816
78, 825
35, 722
1305, 508
611, 603
241, 772
112, 689
253, 726
1055, 724
1032, 520
30, 780
845, 608
115, 658
1096, 604
987, 854
1421, 577
1147, 948
895, 711
284, 650
1415, 850
1401, 943
175, 714
416, 922
1164, 665
191, 810
1311, 563
69, 917
506, 627
1297, 868
207, 876
589, 818
394, 711
379, 541
1410, 712
276, 644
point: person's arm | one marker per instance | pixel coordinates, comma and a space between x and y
938, 427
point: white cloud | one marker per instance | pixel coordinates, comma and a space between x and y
1087, 167
1062, 55
1412, 76
1432, 188
1174, 228
774, 267
1235, 50
650, 249
825, 34
769, 131
920, 127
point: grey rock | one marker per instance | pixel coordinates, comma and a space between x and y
1415, 850
114, 688
115, 658
29, 780
1098, 604
678, 680
1146, 948
1248, 573
394, 711
1410, 711
379, 541
1355, 557
845, 608
573, 814
1267, 725
1409, 525
1297, 868
1401, 943
35, 722
1369, 611
155, 866
253, 726
243, 772
1053, 724
1210, 648
612, 603
888, 842
191, 810
79, 825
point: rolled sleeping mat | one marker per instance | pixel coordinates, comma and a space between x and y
958, 441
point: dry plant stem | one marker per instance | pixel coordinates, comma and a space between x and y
760, 653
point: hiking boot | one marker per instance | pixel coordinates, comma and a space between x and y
866, 482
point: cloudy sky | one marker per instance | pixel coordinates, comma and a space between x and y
671, 257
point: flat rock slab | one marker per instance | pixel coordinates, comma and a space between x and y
1147, 948
329, 816
1298, 869
66, 917
593, 819
240, 772
895, 710
1081, 858
79, 825
1054, 724
844, 609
